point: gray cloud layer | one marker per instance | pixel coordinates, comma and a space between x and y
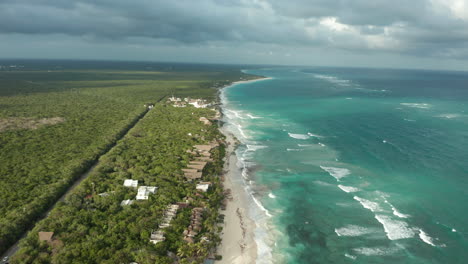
434, 28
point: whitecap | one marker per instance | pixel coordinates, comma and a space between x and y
313, 135
305, 145
417, 105
369, 205
253, 117
271, 195
353, 231
454, 230
448, 116
323, 183
409, 120
321, 144
376, 251
298, 136
348, 189
333, 79
350, 256
426, 238
395, 211
337, 173
294, 149
395, 229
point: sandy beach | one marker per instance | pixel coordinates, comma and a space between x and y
238, 244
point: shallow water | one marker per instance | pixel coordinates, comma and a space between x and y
355, 165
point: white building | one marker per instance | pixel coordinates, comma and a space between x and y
203, 186
126, 202
131, 183
145, 191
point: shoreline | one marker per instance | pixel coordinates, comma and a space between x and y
238, 245
237, 240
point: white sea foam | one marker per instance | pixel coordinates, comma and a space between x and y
289, 149
333, 79
321, 144
348, 189
253, 117
260, 205
337, 173
298, 136
271, 195
241, 131
369, 205
376, 251
236, 113
313, 135
395, 229
409, 120
454, 230
323, 183
350, 256
255, 147
426, 238
395, 211
353, 231
417, 105
305, 145
448, 116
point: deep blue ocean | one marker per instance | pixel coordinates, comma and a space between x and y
354, 165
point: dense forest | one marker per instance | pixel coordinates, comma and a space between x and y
92, 226
55, 123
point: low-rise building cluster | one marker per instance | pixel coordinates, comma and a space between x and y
195, 225
158, 235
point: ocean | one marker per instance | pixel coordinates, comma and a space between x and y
354, 165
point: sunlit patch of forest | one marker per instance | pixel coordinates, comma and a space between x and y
38, 162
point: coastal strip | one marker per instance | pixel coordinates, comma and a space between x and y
238, 244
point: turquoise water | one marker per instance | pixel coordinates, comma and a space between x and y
355, 165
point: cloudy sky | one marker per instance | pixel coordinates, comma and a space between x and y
382, 33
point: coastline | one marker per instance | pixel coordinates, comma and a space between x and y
237, 240
238, 245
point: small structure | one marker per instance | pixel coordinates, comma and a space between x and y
203, 186
193, 175
157, 237
198, 165
131, 183
46, 236
205, 120
145, 191
126, 202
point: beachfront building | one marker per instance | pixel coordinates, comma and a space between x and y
145, 191
131, 183
203, 186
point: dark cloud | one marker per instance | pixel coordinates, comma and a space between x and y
418, 27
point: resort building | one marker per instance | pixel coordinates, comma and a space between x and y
145, 191
131, 183
126, 202
46, 236
203, 186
